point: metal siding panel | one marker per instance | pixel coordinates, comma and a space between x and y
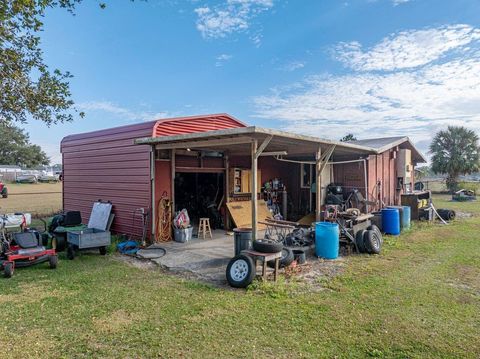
107, 165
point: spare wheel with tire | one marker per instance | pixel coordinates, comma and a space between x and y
359, 241
372, 242
267, 246
240, 271
285, 260
377, 230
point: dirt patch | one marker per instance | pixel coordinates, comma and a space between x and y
316, 271
468, 278
32, 293
463, 215
35, 340
116, 322
145, 264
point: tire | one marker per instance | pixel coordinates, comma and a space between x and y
285, 260
373, 243
70, 252
267, 246
8, 270
102, 250
240, 271
359, 241
446, 214
53, 262
45, 238
59, 242
377, 230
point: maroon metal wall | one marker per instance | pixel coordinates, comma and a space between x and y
108, 165
380, 169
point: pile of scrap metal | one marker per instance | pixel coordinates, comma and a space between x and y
464, 195
337, 195
356, 230
291, 234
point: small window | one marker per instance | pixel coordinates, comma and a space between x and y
306, 172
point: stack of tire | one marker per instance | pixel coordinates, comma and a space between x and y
369, 240
241, 269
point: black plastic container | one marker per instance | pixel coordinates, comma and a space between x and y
242, 238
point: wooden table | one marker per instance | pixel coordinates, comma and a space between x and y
266, 257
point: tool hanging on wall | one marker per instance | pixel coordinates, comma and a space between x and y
275, 195
163, 226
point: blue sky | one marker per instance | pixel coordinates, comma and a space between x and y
325, 68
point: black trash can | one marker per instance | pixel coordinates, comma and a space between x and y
243, 239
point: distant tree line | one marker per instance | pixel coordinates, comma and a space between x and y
16, 149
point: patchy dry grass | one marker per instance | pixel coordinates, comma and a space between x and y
419, 299
40, 199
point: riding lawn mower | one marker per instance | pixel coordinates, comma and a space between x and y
21, 246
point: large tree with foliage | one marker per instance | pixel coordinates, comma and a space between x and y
455, 152
28, 86
16, 149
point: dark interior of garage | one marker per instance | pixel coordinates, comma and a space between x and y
202, 194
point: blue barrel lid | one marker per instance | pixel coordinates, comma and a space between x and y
326, 224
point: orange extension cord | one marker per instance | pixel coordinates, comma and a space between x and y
163, 225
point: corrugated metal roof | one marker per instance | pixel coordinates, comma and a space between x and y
378, 143
194, 124
383, 144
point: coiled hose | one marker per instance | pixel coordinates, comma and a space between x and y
163, 222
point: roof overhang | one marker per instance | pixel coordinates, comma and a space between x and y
237, 141
405, 142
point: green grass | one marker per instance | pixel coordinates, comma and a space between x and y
419, 299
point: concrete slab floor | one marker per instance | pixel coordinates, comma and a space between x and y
205, 259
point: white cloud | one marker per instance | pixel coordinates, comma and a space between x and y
221, 59
406, 49
399, 2
374, 104
230, 17
120, 112
292, 66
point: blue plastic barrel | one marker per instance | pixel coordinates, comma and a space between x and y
400, 212
327, 240
391, 221
406, 217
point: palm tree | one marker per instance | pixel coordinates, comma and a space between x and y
455, 152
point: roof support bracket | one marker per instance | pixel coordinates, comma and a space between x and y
326, 157
263, 146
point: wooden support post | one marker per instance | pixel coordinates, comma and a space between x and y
318, 183
152, 191
227, 189
254, 187
172, 164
